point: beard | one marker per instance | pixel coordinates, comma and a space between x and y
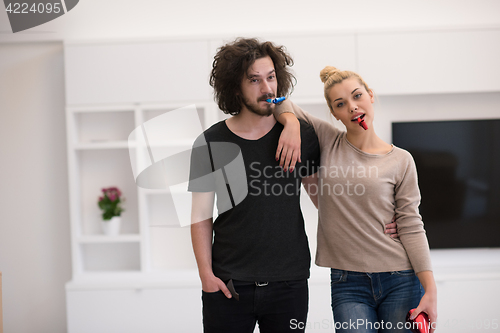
265, 111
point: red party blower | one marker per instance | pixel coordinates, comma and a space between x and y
361, 122
420, 324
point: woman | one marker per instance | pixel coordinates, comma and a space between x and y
362, 181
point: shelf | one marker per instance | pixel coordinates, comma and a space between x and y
100, 108
125, 238
148, 191
187, 143
106, 145
123, 144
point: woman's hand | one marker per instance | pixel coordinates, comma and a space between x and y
428, 303
288, 152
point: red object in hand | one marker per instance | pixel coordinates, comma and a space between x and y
420, 324
362, 123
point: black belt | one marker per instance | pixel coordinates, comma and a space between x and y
236, 296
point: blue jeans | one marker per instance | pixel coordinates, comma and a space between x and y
373, 302
277, 307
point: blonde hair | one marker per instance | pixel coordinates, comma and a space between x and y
331, 76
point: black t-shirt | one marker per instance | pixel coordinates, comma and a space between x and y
259, 232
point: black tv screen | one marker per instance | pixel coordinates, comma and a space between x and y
458, 164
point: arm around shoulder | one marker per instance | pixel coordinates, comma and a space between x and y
325, 130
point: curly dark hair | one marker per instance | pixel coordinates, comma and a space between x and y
231, 63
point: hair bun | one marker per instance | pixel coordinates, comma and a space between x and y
327, 72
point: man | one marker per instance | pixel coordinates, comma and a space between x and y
254, 259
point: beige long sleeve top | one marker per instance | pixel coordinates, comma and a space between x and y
358, 194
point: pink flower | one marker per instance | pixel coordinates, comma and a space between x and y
112, 208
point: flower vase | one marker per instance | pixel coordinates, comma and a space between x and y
111, 227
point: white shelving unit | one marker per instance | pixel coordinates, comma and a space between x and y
100, 154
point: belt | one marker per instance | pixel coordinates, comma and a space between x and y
230, 286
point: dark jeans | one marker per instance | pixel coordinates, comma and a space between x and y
277, 307
373, 302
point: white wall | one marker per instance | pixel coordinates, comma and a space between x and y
34, 218
34, 215
119, 19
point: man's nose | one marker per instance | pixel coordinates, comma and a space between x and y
265, 88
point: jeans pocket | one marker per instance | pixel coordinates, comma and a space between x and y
406, 272
295, 284
211, 293
338, 276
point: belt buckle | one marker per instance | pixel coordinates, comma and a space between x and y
261, 284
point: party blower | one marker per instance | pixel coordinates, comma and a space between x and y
420, 324
276, 100
361, 122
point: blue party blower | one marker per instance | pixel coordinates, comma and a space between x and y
276, 100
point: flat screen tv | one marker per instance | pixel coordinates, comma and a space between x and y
458, 164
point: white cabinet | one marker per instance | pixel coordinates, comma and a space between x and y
133, 309
142, 72
430, 62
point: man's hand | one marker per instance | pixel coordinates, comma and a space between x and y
392, 228
288, 152
211, 284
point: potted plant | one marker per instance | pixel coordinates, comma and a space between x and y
111, 205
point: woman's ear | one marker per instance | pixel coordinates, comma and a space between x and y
372, 99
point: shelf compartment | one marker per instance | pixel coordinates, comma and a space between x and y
109, 257
174, 129
103, 127
161, 210
188, 127
100, 169
171, 249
